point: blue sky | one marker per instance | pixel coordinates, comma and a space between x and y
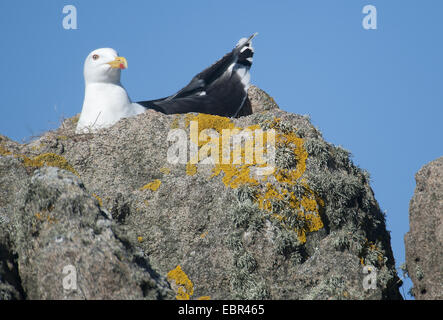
377, 92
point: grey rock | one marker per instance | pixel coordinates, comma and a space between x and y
59, 231
13, 178
257, 101
424, 241
299, 236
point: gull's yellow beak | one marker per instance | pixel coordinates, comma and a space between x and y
119, 63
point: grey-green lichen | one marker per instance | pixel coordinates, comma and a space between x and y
351, 215
245, 281
245, 216
333, 287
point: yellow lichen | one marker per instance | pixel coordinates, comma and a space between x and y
75, 119
191, 169
184, 286
153, 185
39, 216
100, 202
48, 159
203, 235
45, 215
140, 239
235, 175
206, 121
4, 151
175, 123
45, 159
369, 245
165, 170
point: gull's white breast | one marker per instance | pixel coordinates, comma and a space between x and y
104, 105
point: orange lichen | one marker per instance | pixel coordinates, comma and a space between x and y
370, 246
234, 174
206, 121
50, 160
100, 202
45, 215
153, 185
4, 151
175, 123
191, 169
165, 170
45, 159
39, 216
306, 207
184, 286
203, 235
379, 252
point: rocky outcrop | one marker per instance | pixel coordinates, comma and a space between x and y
424, 241
52, 227
112, 205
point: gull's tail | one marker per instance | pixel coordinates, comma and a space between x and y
220, 89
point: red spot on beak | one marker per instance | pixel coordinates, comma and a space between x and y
122, 66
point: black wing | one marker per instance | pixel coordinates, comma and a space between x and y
217, 90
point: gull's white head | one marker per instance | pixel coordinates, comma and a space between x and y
106, 101
103, 66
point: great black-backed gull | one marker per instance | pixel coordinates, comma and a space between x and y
220, 89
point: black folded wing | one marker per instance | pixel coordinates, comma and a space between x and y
217, 90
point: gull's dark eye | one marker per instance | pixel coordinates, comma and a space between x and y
95, 56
